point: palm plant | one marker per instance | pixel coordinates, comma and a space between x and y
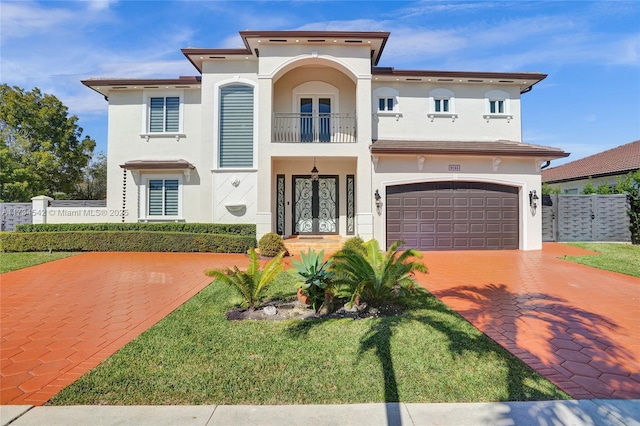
250, 284
313, 275
376, 276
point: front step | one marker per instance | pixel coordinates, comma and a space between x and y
329, 243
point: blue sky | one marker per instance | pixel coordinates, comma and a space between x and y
591, 50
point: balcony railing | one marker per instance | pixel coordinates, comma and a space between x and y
317, 127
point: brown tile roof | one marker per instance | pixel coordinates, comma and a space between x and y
500, 147
157, 164
619, 160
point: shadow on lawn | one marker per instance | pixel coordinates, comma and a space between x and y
424, 310
569, 345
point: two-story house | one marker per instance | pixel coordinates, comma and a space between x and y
301, 133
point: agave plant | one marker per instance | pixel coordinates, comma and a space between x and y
376, 276
250, 284
313, 275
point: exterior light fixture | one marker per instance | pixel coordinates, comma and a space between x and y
533, 199
314, 171
378, 199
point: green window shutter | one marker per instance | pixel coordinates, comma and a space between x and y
156, 115
155, 197
236, 126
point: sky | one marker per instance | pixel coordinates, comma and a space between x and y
590, 101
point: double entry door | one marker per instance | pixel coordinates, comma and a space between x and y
315, 205
315, 119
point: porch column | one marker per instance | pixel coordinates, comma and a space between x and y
364, 193
263, 211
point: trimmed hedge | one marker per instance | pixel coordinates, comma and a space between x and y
125, 241
199, 228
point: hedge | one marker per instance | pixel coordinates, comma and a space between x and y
125, 241
200, 228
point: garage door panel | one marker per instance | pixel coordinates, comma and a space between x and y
453, 215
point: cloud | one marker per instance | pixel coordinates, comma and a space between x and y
25, 19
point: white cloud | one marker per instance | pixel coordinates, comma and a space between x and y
24, 19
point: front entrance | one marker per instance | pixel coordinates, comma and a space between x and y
315, 205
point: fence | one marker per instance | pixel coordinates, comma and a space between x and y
585, 218
43, 209
12, 214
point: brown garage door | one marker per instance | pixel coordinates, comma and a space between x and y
453, 216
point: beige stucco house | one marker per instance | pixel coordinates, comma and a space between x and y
301, 133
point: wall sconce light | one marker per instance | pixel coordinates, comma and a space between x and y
314, 171
533, 199
378, 198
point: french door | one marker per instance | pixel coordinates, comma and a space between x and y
315, 205
315, 119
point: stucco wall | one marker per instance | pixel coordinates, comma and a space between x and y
413, 123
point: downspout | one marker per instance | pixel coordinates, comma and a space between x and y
546, 165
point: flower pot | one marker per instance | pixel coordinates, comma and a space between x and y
303, 298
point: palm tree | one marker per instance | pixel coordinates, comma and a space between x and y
376, 276
250, 283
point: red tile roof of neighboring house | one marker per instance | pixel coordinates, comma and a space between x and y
619, 160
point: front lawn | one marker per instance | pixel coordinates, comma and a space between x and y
196, 356
14, 261
622, 258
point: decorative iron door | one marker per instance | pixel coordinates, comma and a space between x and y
315, 205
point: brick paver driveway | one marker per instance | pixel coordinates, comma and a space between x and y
62, 318
578, 326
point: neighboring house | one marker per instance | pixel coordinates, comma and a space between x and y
300, 133
603, 168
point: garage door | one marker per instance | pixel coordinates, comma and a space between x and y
453, 216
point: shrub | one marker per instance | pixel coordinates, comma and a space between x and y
250, 284
271, 244
313, 275
354, 243
124, 241
206, 228
376, 276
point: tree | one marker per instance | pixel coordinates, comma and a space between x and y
41, 150
94, 184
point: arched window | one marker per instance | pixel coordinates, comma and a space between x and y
442, 103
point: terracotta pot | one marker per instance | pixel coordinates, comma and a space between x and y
303, 298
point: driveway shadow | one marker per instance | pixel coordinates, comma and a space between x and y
570, 346
432, 315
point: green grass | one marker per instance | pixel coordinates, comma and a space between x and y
196, 356
622, 258
14, 261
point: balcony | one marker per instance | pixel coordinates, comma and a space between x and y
314, 127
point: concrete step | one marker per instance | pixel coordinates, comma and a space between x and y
330, 244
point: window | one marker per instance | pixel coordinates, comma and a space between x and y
442, 104
386, 104
236, 126
496, 106
386, 101
164, 114
163, 197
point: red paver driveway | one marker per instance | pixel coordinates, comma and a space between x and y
578, 326
62, 318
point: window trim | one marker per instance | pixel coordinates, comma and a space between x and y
216, 123
144, 196
386, 93
441, 94
146, 114
497, 96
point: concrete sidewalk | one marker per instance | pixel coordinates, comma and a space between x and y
582, 412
